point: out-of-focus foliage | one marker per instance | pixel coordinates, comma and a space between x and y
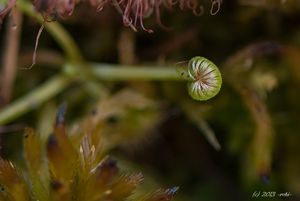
253, 122
61, 170
121, 117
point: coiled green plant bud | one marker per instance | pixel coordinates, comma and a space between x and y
204, 77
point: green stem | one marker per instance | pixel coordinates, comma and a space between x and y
100, 71
56, 30
41, 94
111, 72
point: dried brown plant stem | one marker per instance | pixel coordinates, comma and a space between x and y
10, 56
126, 47
10, 60
236, 70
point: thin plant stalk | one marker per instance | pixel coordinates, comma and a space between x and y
109, 72
10, 56
105, 72
58, 83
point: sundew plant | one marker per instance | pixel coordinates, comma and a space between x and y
149, 100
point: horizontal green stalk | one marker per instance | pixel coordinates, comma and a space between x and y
117, 73
106, 72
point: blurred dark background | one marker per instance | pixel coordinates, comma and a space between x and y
257, 109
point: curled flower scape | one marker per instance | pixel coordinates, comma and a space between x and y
205, 79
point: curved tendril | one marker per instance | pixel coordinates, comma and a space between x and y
215, 6
35, 47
